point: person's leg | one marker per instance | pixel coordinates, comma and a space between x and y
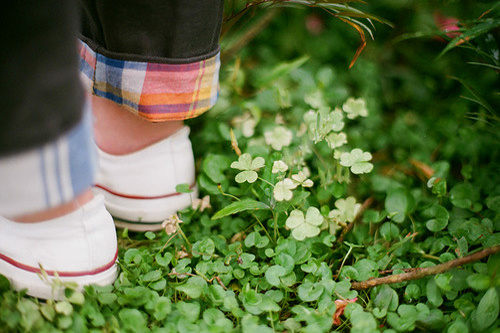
49, 218
134, 132
163, 69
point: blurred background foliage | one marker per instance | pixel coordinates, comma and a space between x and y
417, 96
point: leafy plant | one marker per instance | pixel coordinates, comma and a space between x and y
356, 213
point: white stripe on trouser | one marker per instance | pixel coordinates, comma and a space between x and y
41, 178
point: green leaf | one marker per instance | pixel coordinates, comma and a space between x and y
463, 195
4, 284
214, 165
183, 188
386, 299
158, 285
273, 275
246, 260
286, 261
487, 310
440, 217
194, 287
47, 310
163, 260
309, 292
279, 71
443, 281
389, 230
433, 293
405, 318
366, 269
189, 311
471, 33
257, 240
152, 276
29, 312
132, 320
204, 247
412, 292
458, 327
479, 281
162, 308
65, 308
239, 206
76, 298
132, 256
493, 203
106, 298
398, 203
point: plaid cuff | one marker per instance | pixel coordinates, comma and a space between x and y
154, 91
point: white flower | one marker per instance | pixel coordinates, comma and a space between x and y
279, 137
355, 107
346, 211
249, 168
305, 226
322, 122
202, 204
357, 160
170, 224
279, 166
283, 190
246, 123
336, 140
301, 179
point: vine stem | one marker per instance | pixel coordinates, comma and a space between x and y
418, 273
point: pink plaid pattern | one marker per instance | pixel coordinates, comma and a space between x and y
155, 91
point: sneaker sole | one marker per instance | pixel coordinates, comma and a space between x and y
144, 213
26, 277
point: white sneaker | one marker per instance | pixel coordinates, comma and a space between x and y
80, 247
140, 188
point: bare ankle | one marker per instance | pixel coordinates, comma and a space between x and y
119, 132
57, 211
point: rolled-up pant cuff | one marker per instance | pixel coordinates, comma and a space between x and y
156, 91
49, 175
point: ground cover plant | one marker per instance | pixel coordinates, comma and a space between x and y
331, 199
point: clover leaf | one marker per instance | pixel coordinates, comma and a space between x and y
283, 189
301, 179
322, 122
346, 211
279, 137
357, 160
246, 123
304, 227
355, 107
336, 140
279, 166
248, 166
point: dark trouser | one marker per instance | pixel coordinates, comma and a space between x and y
40, 86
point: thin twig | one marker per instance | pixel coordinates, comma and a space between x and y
349, 227
419, 273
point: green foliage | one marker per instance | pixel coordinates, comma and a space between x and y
284, 230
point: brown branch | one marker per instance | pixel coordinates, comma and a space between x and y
419, 273
349, 227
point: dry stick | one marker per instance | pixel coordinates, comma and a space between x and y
419, 273
250, 34
349, 227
